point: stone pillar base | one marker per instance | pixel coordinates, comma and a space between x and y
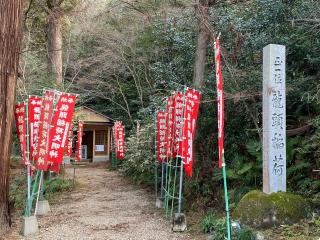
159, 203
179, 223
29, 226
43, 208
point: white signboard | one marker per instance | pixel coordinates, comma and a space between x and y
99, 148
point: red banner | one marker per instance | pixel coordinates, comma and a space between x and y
178, 117
220, 96
161, 136
79, 141
170, 125
54, 167
41, 156
20, 116
119, 139
192, 101
34, 110
59, 131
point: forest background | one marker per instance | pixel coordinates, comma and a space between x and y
124, 57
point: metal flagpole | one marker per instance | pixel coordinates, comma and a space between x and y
180, 187
174, 185
155, 151
28, 212
224, 172
34, 187
181, 164
39, 189
169, 164
42, 186
162, 180
221, 129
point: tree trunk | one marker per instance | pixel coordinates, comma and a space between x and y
10, 41
202, 14
54, 35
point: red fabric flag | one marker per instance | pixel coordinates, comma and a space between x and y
120, 140
34, 109
178, 120
20, 116
170, 125
79, 140
41, 156
192, 101
59, 131
54, 167
161, 136
220, 96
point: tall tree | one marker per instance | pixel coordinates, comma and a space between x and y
10, 41
202, 14
54, 36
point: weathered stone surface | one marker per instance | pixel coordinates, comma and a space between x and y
43, 208
159, 203
274, 119
179, 223
29, 226
261, 210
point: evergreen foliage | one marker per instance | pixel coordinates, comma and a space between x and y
124, 59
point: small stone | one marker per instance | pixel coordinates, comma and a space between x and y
259, 236
235, 225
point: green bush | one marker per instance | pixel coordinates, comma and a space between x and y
218, 229
139, 162
57, 185
18, 192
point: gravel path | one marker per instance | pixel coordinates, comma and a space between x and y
105, 206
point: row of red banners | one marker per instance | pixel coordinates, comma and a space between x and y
49, 129
176, 128
118, 137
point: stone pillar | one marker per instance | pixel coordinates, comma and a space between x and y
274, 119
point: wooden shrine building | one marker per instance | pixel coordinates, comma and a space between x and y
97, 135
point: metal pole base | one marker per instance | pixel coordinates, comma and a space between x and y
179, 223
29, 226
159, 203
43, 208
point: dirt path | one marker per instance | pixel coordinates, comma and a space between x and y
106, 206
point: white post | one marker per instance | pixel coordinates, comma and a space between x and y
274, 119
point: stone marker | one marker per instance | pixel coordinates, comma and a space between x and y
29, 225
274, 119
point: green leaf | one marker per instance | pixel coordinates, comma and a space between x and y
245, 168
